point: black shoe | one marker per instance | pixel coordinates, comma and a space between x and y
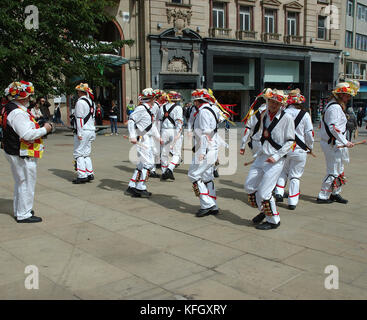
170, 174
32, 219
338, 198
80, 180
130, 191
142, 193
291, 207
260, 217
278, 198
216, 174
158, 166
32, 212
267, 226
324, 200
154, 174
91, 177
164, 176
205, 212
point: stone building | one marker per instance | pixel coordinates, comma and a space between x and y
235, 47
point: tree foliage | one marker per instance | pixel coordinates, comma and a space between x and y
60, 48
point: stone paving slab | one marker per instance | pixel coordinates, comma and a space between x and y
97, 243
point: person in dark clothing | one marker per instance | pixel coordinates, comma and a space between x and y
360, 115
99, 115
113, 117
44, 106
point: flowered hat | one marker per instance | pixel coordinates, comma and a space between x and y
295, 97
350, 87
158, 93
19, 90
85, 88
173, 96
147, 94
276, 95
202, 94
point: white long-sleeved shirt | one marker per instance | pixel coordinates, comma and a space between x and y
81, 111
336, 121
21, 123
176, 114
204, 127
139, 120
304, 130
283, 134
250, 126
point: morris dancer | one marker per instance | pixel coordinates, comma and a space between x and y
23, 146
142, 132
296, 159
205, 151
171, 119
333, 135
278, 135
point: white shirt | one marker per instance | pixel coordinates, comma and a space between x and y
283, 134
176, 114
304, 130
139, 120
336, 121
250, 126
36, 112
20, 121
204, 125
81, 111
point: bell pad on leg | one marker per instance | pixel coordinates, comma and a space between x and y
252, 199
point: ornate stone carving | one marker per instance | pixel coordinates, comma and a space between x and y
177, 65
179, 19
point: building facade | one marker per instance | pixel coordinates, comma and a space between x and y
237, 47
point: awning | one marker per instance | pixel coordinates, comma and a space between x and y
363, 87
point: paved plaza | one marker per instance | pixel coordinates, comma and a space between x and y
96, 243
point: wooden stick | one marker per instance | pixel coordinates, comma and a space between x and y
248, 163
137, 142
355, 143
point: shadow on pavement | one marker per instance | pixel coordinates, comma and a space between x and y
170, 202
231, 184
232, 194
6, 206
110, 184
307, 198
226, 215
125, 168
65, 174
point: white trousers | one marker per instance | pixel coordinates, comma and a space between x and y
262, 179
335, 159
82, 150
294, 167
145, 163
256, 147
168, 136
25, 174
201, 172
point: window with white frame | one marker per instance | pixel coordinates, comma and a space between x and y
321, 28
269, 17
350, 8
292, 23
349, 39
245, 18
218, 15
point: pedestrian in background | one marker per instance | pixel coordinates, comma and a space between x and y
360, 116
351, 123
44, 106
57, 115
130, 108
99, 115
113, 117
